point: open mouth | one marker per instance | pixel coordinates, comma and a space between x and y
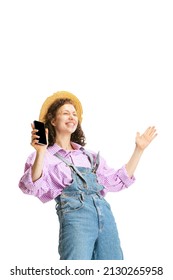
70, 124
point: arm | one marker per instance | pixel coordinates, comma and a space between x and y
142, 141
51, 181
37, 166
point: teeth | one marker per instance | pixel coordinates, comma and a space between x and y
71, 123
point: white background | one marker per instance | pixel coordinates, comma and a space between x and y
117, 57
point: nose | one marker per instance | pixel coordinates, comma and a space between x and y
71, 116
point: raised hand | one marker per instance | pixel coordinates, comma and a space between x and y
35, 137
143, 140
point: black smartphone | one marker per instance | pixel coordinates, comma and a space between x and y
41, 132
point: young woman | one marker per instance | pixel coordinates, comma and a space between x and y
78, 180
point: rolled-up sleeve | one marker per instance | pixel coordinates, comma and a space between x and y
45, 188
111, 179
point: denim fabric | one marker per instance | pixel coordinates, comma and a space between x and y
87, 227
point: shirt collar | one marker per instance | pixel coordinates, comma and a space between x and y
57, 149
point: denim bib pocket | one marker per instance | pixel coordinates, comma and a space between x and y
68, 204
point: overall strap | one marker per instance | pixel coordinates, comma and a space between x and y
90, 157
68, 163
97, 162
94, 165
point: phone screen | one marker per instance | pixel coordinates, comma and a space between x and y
41, 132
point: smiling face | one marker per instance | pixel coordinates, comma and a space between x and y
66, 120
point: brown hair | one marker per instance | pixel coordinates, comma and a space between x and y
77, 136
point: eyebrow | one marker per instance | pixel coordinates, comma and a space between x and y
65, 110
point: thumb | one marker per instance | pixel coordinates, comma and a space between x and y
47, 133
137, 135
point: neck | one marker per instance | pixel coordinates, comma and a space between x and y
64, 142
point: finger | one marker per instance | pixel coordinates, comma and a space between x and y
152, 131
35, 137
33, 132
34, 142
153, 135
152, 128
46, 130
147, 130
47, 134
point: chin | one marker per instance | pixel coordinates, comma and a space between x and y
70, 131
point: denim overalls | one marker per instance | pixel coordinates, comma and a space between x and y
87, 227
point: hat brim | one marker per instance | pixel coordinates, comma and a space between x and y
60, 95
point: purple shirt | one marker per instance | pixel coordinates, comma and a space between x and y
56, 175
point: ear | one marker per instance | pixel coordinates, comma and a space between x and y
53, 122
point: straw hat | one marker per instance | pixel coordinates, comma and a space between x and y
60, 95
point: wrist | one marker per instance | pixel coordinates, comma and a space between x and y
40, 154
139, 150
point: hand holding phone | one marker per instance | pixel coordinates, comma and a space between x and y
41, 132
